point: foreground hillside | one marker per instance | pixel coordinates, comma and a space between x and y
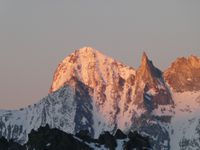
54, 139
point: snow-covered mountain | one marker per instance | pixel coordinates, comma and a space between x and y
95, 92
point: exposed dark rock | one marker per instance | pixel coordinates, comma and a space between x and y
108, 140
85, 136
53, 139
137, 141
120, 135
10, 145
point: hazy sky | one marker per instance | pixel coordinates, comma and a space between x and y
35, 35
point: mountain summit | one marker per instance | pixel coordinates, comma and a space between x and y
184, 74
90, 67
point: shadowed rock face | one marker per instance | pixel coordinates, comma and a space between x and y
150, 125
184, 74
83, 119
10, 145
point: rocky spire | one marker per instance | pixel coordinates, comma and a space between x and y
150, 83
147, 71
145, 59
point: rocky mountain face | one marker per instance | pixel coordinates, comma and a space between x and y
184, 74
93, 92
120, 93
150, 82
111, 84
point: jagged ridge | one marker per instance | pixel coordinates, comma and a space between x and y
184, 74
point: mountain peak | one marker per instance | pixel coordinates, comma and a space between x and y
147, 69
145, 62
184, 74
87, 50
91, 67
191, 58
145, 57
194, 60
83, 55
87, 53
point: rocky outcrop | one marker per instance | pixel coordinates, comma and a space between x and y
54, 139
151, 89
184, 74
10, 145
